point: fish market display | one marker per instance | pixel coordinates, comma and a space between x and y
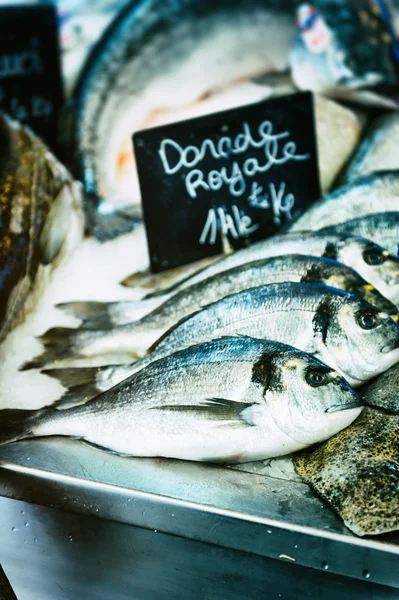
41, 219
138, 73
373, 193
292, 267
340, 329
382, 228
356, 472
383, 392
372, 262
232, 400
379, 150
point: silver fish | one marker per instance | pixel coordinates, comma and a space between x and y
372, 262
231, 400
340, 329
373, 193
292, 267
356, 472
383, 392
379, 150
382, 228
41, 219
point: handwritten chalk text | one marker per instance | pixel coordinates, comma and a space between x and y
219, 221
21, 64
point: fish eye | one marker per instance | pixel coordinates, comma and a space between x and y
367, 320
373, 257
316, 378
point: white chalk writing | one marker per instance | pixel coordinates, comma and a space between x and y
220, 222
174, 158
23, 63
278, 200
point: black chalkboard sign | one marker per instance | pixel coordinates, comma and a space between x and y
235, 176
30, 74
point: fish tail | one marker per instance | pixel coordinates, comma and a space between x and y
59, 343
95, 315
17, 424
81, 383
106, 315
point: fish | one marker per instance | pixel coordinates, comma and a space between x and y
6, 592
41, 220
383, 392
291, 267
229, 400
372, 262
379, 150
377, 192
340, 329
357, 472
136, 76
382, 228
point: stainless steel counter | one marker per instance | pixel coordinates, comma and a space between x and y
241, 513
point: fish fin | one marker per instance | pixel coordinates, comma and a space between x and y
173, 286
95, 315
58, 344
15, 424
215, 409
80, 383
106, 221
56, 226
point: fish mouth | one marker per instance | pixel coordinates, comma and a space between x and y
390, 347
356, 82
339, 407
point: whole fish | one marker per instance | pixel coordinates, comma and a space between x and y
383, 392
136, 77
231, 400
372, 262
382, 228
41, 219
373, 193
292, 267
339, 328
378, 151
357, 473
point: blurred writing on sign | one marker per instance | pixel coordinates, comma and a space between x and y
30, 74
226, 179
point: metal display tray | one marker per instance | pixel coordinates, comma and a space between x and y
247, 512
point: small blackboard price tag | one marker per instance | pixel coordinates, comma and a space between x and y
235, 176
30, 73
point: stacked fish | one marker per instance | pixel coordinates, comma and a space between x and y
254, 356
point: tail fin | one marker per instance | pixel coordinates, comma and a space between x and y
81, 384
95, 315
15, 424
106, 315
59, 344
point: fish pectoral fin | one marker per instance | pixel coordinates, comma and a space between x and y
227, 412
56, 227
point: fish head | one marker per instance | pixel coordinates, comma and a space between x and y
309, 401
341, 46
375, 264
361, 340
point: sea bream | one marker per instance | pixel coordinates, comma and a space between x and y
291, 267
382, 228
339, 328
41, 219
377, 192
357, 472
230, 400
372, 262
136, 77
